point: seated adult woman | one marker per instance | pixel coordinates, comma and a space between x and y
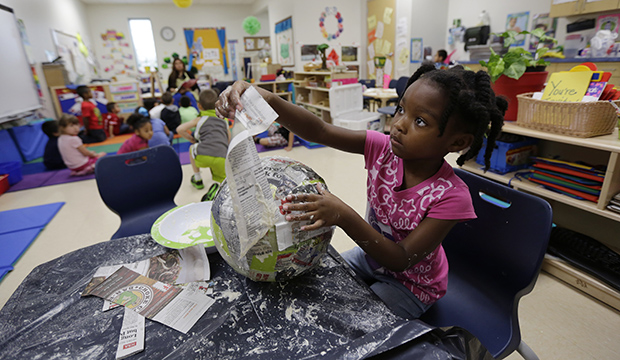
178, 76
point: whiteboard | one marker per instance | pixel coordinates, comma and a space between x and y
18, 93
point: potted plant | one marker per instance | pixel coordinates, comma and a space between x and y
322, 48
518, 71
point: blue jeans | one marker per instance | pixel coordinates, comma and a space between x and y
394, 294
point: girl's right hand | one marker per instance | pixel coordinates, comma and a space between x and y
230, 100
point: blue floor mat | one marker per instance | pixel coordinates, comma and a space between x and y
19, 228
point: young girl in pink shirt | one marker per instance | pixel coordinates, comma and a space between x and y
143, 132
414, 196
75, 155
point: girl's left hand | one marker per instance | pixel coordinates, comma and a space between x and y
323, 209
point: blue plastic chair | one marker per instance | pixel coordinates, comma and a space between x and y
139, 186
401, 86
494, 260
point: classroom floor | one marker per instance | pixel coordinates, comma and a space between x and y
557, 321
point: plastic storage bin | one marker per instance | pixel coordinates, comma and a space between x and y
510, 154
346, 109
13, 169
4, 183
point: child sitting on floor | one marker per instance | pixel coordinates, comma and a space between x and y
210, 143
278, 135
143, 132
161, 134
75, 155
170, 114
51, 156
187, 111
112, 124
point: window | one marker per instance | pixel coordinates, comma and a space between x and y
143, 43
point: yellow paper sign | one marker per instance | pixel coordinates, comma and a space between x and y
387, 47
567, 86
372, 21
387, 15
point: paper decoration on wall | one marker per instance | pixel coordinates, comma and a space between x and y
387, 15
331, 11
232, 48
117, 60
284, 42
207, 47
182, 3
112, 35
518, 22
251, 25
349, 53
372, 21
416, 50
549, 25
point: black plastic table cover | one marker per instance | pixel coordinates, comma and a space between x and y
328, 313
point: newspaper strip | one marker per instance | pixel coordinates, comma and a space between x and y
131, 337
256, 115
253, 203
173, 267
177, 308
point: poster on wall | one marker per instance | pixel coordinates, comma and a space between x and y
284, 42
309, 52
232, 47
77, 60
207, 48
417, 49
349, 53
608, 22
71, 103
549, 25
117, 58
518, 22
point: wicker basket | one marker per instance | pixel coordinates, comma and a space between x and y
567, 118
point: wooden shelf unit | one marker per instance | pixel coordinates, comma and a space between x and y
312, 90
277, 87
586, 217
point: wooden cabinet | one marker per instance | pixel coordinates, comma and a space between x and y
277, 87
585, 217
312, 89
561, 8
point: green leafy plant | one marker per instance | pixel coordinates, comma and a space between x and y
516, 60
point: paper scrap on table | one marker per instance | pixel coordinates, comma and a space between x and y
131, 337
380, 28
256, 115
177, 308
387, 15
173, 267
372, 21
253, 203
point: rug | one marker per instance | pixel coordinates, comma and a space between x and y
19, 228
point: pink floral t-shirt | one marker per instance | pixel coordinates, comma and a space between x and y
395, 213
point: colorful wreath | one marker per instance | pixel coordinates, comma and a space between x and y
330, 11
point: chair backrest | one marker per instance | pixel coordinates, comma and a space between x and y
494, 260
367, 82
401, 85
392, 84
139, 186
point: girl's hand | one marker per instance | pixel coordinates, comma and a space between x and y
230, 99
324, 209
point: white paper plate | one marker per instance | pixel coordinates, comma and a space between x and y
185, 226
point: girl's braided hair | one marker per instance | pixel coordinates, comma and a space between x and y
473, 101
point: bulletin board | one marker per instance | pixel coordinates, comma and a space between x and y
381, 29
80, 67
207, 47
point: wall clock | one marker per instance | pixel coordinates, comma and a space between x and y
167, 33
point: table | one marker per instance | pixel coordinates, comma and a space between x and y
327, 313
382, 95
